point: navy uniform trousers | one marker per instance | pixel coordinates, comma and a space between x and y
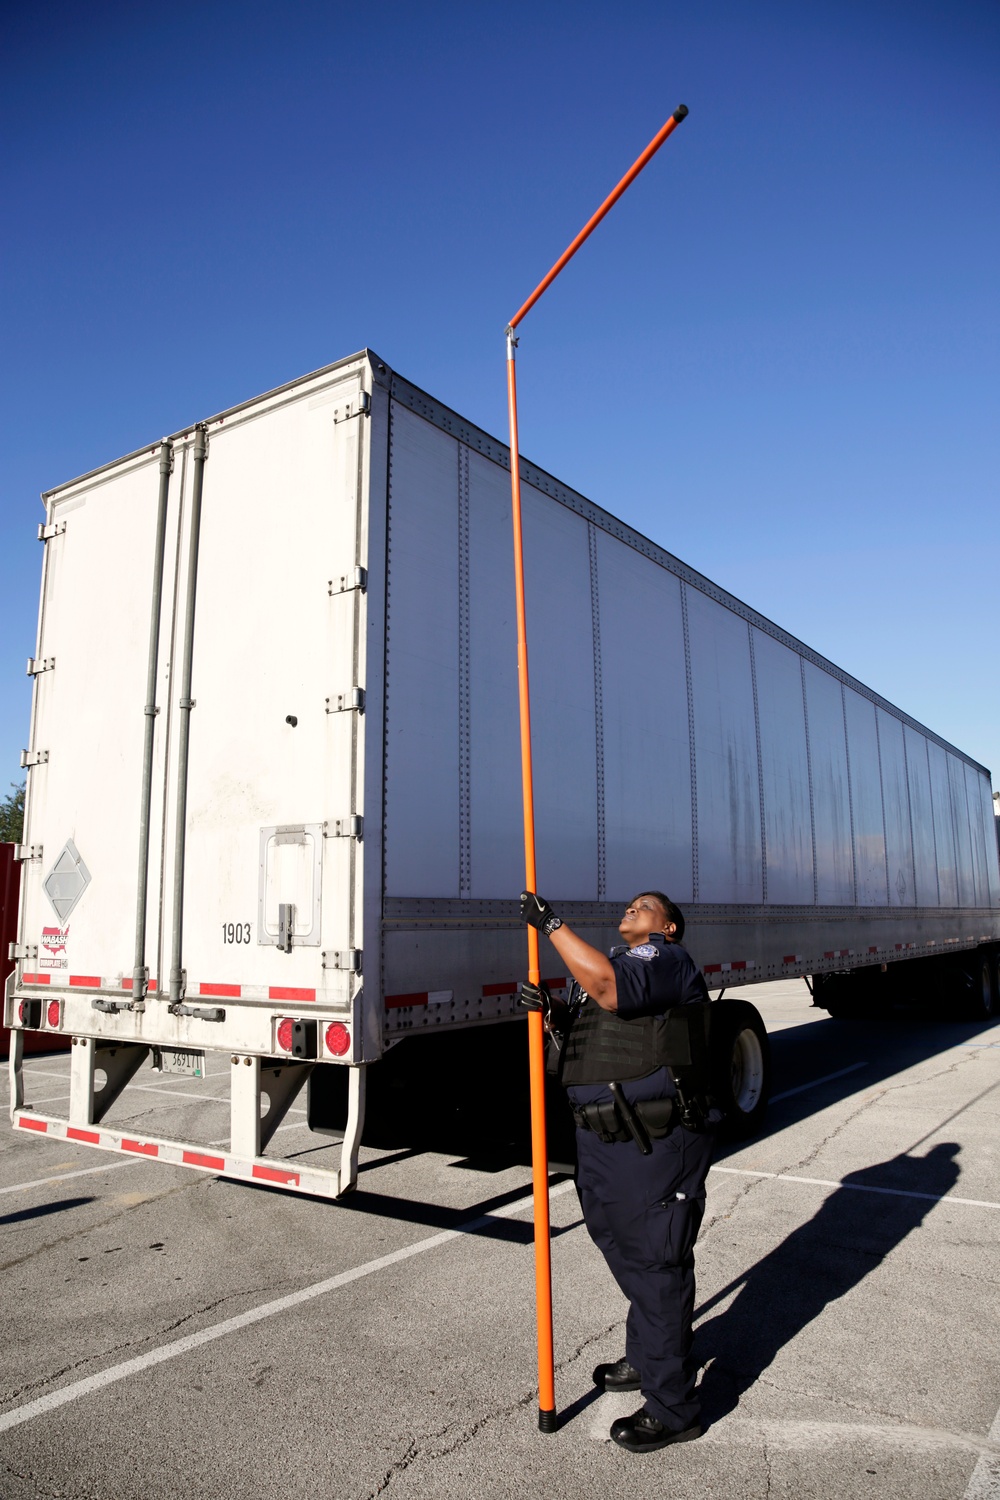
643, 1213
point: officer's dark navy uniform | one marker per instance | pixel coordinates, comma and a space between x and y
644, 1143
643, 1212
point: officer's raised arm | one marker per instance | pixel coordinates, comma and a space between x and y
591, 969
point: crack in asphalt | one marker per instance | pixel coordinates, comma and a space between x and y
869, 1101
41, 1381
422, 1447
32, 1478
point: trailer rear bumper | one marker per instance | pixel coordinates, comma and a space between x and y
311, 1180
260, 1096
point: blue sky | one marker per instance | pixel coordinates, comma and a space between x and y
778, 357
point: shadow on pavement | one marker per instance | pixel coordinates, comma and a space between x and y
809, 1053
820, 1262
465, 1094
42, 1210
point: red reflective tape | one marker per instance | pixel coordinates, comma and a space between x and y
27, 1124
198, 1159
509, 987
556, 984
712, 969
282, 992
739, 963
872, 950
91, 1137
36, 978
144, 1148
232, 991
273, 1174
829, 955
86, 981
396, 1002
792, 958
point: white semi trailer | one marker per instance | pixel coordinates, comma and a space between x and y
273, 804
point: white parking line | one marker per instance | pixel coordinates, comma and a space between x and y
129, 1367
827, 1078
858, 1187
111, 1166
985, 1481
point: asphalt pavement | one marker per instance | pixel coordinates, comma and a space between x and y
166, 1332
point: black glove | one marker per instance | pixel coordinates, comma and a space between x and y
535, 997
537, 912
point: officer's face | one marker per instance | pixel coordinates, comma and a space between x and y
646, 915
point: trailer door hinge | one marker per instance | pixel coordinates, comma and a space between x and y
346, 702
357, 406
46, 533
38, 664
34, 758
27, 851
22, 950
346, 828
344, 958
356, 579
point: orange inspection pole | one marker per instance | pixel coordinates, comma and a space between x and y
536, 1033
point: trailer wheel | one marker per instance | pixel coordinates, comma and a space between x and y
740, 1066
981, 1003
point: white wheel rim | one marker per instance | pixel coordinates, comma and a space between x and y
747, 1070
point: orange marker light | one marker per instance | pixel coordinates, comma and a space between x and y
536, 1033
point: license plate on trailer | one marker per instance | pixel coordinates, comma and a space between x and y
179, 1060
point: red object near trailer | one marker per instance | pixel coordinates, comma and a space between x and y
10, 891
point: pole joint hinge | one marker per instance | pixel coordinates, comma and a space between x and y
38, 664
27, 851
18, 951
46, 533
34, 758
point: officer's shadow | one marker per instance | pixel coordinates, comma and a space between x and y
818, 1263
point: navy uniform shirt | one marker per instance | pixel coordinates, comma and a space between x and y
649, 978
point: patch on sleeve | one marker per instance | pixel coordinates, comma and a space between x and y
644, 950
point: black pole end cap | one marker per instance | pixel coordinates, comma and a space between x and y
546, 1420
681, 113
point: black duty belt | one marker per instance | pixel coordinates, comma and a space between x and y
657, 1118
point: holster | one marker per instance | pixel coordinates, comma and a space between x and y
603, 1119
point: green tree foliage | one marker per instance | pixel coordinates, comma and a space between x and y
12, 816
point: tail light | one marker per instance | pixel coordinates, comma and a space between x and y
296, 1038
29, 1014
338, 1039
53, 1014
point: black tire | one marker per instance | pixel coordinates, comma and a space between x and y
741, 1066
979, 973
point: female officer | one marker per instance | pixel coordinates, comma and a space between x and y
643, 1152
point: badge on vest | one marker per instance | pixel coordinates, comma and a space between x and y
644, 950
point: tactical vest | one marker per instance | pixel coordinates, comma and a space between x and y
602, 1047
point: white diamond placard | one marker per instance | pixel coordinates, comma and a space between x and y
66, 881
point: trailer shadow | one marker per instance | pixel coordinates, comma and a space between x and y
850, 1235
465, 1094
867, 1054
